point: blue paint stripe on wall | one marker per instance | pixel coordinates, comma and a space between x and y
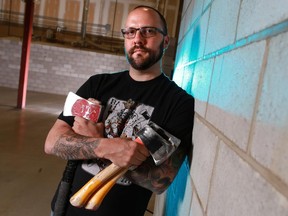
176, 191
264, 34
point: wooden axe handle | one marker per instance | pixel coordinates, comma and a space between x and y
80, 198
95, 201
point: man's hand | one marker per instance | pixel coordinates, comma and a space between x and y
125, 152
88, 128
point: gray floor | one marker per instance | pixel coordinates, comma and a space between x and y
28, 177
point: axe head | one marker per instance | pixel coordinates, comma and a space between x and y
159, 142
78, 106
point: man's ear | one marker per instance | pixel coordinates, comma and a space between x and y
166, 42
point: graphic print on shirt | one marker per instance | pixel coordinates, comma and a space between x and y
123, 119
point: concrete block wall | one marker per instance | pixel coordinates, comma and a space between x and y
54, 69
232, 57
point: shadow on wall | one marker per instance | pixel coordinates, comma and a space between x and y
176, 192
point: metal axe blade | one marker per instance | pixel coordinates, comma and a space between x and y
160, 143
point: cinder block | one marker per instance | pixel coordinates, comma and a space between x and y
233, 91
222, 24
238, 190
194, 10
16, 55
206, 3
201, 31
205, 145
159, 207
12, 66
93, 54
269, 145
5, 58
185, 5
185, 24
196, 209
182, 31
48, 59
256, 15
201, 85
67, 66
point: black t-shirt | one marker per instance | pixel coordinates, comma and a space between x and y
159, 100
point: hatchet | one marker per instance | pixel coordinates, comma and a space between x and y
160, 144
74, 106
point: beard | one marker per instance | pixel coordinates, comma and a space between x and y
146, 63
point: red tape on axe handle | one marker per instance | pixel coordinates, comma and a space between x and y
138, 140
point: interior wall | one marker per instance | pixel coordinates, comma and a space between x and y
232, 57
63, 16
54, 69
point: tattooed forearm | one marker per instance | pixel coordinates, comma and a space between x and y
72, 146
157, 178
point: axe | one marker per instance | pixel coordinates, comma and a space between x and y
74, 106
160, 144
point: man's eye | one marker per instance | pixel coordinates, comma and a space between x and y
130, 31
149, 31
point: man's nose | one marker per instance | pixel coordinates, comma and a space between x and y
138, 37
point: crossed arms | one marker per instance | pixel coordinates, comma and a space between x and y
85, 140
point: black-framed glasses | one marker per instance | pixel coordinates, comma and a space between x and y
145, 32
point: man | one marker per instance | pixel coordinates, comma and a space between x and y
132, 98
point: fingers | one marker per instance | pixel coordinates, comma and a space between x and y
126, 153
94, 101
141, 153
88, 128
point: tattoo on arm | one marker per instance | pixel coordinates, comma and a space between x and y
72, 146
157, 178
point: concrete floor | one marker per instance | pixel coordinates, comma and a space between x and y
28, 177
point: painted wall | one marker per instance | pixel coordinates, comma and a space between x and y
54, 69
58, 69
232, 57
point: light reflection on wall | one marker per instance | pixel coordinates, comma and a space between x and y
187, 53
184, 76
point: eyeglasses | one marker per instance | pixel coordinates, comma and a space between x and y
146, 32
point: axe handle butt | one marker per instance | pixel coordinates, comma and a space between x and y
96, 200
112, 173
80, 198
